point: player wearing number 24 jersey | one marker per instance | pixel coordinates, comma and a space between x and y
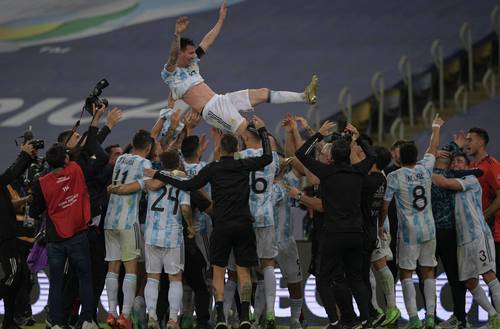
411, 188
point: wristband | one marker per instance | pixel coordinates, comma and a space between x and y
435, 125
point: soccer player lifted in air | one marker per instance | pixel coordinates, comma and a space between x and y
182, 75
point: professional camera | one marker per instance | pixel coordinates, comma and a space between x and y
93, 97
37, 143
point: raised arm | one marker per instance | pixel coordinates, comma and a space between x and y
17, 168
446, 183
258, 163
180, 26
436, 127
316, 167
211, 36
195, 183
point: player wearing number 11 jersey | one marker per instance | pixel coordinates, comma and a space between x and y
411, 187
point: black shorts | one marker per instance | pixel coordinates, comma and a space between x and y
239, 238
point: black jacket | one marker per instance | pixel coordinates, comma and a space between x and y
8, 223
229, 182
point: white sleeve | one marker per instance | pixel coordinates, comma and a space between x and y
467, 182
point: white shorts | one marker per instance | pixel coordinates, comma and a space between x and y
476, 257
170, 259
382, 249
266, 242
124, 245
288, 261
222, 111
408, 255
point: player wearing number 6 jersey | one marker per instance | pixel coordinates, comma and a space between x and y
411, 187
261, 207
476, 248
121, 228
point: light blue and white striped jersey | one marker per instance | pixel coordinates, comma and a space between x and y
282, 203
469, 217
411, 188
201, 221
261, 189
123, 210
164, 217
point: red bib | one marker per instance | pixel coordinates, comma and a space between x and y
67, 199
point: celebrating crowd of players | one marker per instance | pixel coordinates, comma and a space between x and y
155, 225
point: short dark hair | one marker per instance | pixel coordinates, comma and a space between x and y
229, 143
142, 139
110, 147
398, 143
409, 153
186, 42
383, 157
460, 154
56, 155
189, 146
64, 136
341, 151
170, 159
483, 134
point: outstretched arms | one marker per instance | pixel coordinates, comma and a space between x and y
180, 26
436, 127
210, 37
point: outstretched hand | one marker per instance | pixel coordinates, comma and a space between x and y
258, 122
438, 121
181, 25
326, 128
459, 139
223, 10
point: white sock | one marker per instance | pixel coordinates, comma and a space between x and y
296, 308
385, 279
270, 288
495, 292
430, 296
112, 291
410, 297
260, 300
175, 299
480, 297
140, 308
373, 286
128, 288
282, 97
151, 294
229, 291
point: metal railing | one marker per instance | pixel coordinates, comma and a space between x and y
428, 113
466, 39
377, 85
345, 103
461, 99
437, 57
489, 83
397, 125
405, 71
495, 21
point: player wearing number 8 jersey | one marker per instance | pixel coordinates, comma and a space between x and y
411, 187
121, 228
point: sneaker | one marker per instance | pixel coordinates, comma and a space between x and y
172, 324
378, 318
414, 323
89, 325
311, 90
429, 322
451, 323
368, 324
111, 321
271, 321
123, 323
245, 325
391, 317
153, 324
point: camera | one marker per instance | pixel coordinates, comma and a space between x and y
37, 143
93, 97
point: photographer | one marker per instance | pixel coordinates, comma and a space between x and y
9, 244
341, 246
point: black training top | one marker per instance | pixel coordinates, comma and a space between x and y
373, 199
341, 186
229, 182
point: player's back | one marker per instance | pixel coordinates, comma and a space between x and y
412, 191
164, 217
123, 210
470, 222
201, 221
261, 183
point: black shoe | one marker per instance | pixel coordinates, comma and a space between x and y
368, 324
